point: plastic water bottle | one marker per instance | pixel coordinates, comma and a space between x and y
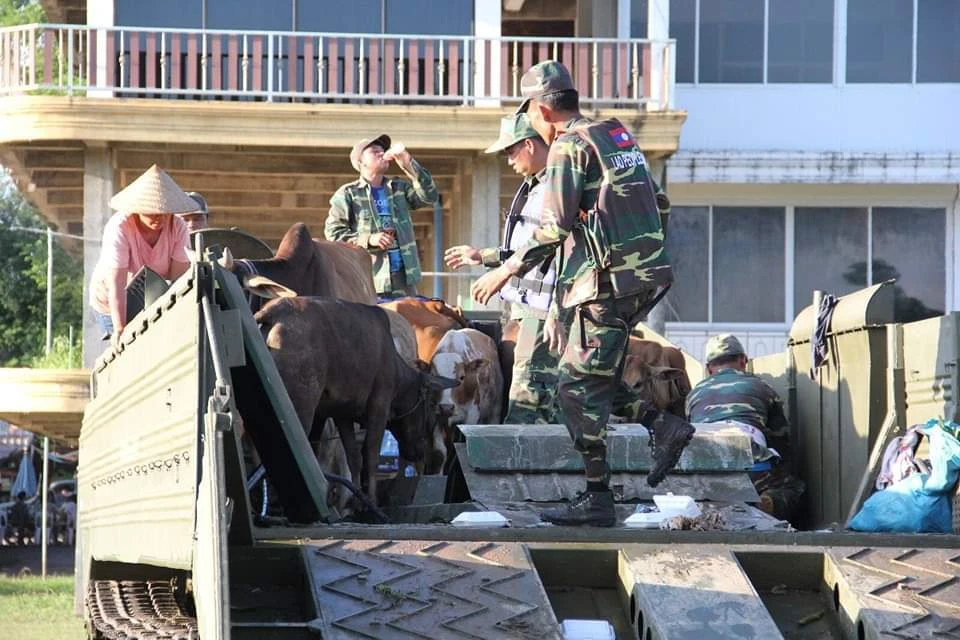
389, 454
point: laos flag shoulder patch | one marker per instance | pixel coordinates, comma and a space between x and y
621, 137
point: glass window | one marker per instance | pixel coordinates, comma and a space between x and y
909, 245
638, 18
800, 41
938, 41
830, 252
748, 264
683, 17
250, 15
879, 40
731, 41
175, 14
335, 16
429, 17
688, 247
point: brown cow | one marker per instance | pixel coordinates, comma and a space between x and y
330, 374
307, 267
658, 373
430, 319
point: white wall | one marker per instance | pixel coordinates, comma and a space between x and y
888, 118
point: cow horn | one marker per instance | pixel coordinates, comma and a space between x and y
226, 260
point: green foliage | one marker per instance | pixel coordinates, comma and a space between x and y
63, 355
14, 12
23, 283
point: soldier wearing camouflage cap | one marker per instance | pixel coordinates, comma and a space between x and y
373, 212
601, 207
532, 396
729, 394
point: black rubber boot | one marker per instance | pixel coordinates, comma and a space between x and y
669, 435
590, 507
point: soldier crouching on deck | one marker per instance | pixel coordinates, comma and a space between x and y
612, 269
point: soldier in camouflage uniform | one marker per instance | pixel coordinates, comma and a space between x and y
533, 389
730, 394
373, 212
600, 206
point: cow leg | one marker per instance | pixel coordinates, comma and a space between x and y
348, 438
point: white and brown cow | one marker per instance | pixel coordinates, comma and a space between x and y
469, 356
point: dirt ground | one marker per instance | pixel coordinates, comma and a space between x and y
15, 560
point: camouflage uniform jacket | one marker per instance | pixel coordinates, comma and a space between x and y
591, 166
353, 218
730, 394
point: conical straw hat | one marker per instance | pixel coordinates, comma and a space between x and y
153, 192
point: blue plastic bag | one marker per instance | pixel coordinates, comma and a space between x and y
904, 507
920, 503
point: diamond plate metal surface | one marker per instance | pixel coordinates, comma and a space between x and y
907, 593
413, 589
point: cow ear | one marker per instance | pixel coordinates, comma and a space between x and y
439, 383
667, 373
267, 288
475, 364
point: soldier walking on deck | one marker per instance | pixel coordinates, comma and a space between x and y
601, 204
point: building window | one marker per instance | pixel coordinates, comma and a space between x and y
688, 245
335, 16
800, 41
249, 15
731, 41
879, 40
683, 14
174, 14
830, 252
938, 41
908, 245
748, 265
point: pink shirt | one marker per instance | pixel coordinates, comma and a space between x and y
125, 248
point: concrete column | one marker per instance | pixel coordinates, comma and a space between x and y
100, 13
487, 16
662, 57
659, 315
98, 188
481, 226
597, 19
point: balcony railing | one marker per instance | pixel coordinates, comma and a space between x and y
323, 67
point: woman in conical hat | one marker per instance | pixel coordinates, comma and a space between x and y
143, 233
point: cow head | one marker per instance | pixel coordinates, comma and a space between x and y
459, 404
665, 387
260, 286
415, 420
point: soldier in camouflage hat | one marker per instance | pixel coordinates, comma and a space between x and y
373, 212
730, 394
601, 208
533, 389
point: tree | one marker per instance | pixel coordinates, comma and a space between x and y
14, 12
23, 282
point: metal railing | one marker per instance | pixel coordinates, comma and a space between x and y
323, 67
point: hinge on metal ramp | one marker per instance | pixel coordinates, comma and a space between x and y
218, 407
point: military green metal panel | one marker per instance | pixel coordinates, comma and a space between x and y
700, 592
138, 445
807, 415
930, 363
831, 455
544, 447
774, 369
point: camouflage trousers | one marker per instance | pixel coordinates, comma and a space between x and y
591, 370
780, 492
532, 397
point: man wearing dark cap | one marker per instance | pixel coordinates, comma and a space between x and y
602, 205
729, 394
373, 212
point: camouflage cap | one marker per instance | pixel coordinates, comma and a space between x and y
543, 79
383, 140
513, 129
725, 344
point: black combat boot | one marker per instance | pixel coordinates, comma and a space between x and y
669, 435
590, 507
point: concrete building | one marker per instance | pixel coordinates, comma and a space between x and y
255, 104
822, 149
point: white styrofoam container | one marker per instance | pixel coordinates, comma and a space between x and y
672, 506
649, 520
588, 630
480, 519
